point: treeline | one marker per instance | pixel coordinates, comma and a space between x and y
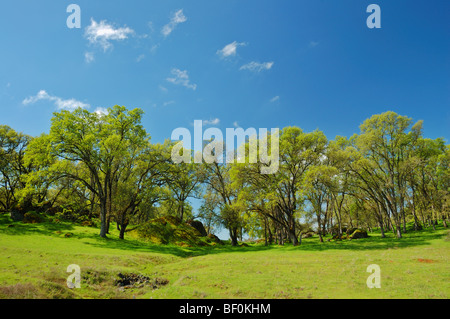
104, 167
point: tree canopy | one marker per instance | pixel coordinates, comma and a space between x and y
104, 166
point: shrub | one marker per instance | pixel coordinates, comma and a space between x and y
32, 218
89, 223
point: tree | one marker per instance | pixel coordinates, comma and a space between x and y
209, 211
140, 180
13, 147
103, 144
280, 194
319, 182
184, 180
385, 146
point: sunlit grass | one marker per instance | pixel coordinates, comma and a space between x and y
34, 260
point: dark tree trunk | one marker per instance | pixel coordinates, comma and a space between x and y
103, 229
122, 230
233, 236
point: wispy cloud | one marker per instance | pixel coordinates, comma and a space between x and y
168, 103
163, 89
103, 33
154, 48
89, 57
236, 124
211, 121
177, 18
274, 99
181, 78
257, 67
61, 104
229, 49
140, 58
313, 44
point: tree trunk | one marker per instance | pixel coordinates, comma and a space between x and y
320, 236
233, 237
122, 230
108, 222
382, 230
103, 229
270, 236
293, 237
265, 231
398, 229
403, 220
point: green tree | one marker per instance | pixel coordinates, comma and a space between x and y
385, 143
13, 168
102, 144
280, 195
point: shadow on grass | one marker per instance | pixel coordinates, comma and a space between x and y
375, 242
9, 227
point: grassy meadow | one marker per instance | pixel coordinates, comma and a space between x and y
34, 260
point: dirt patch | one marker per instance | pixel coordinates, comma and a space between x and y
131, 280
426, 261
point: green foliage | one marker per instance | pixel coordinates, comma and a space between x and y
170, 230
32, 218
98, 169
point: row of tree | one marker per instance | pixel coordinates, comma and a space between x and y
105, 166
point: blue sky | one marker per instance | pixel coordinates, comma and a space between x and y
320, 66
253, 63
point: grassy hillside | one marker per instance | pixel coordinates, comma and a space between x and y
34, 260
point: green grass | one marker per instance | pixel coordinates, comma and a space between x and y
34, 260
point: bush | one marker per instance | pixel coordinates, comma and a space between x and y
16, 216
32, 218
169, 230
89, 223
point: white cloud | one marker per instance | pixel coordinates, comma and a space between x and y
313, 44
163, 89
154, 48
211, 121
168, 103
274, 99
177, 18
257, 67
89, 57
229, 49
140, 58
235, 124
103, 33
182, 78
150, 26
61, 104
101, 111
